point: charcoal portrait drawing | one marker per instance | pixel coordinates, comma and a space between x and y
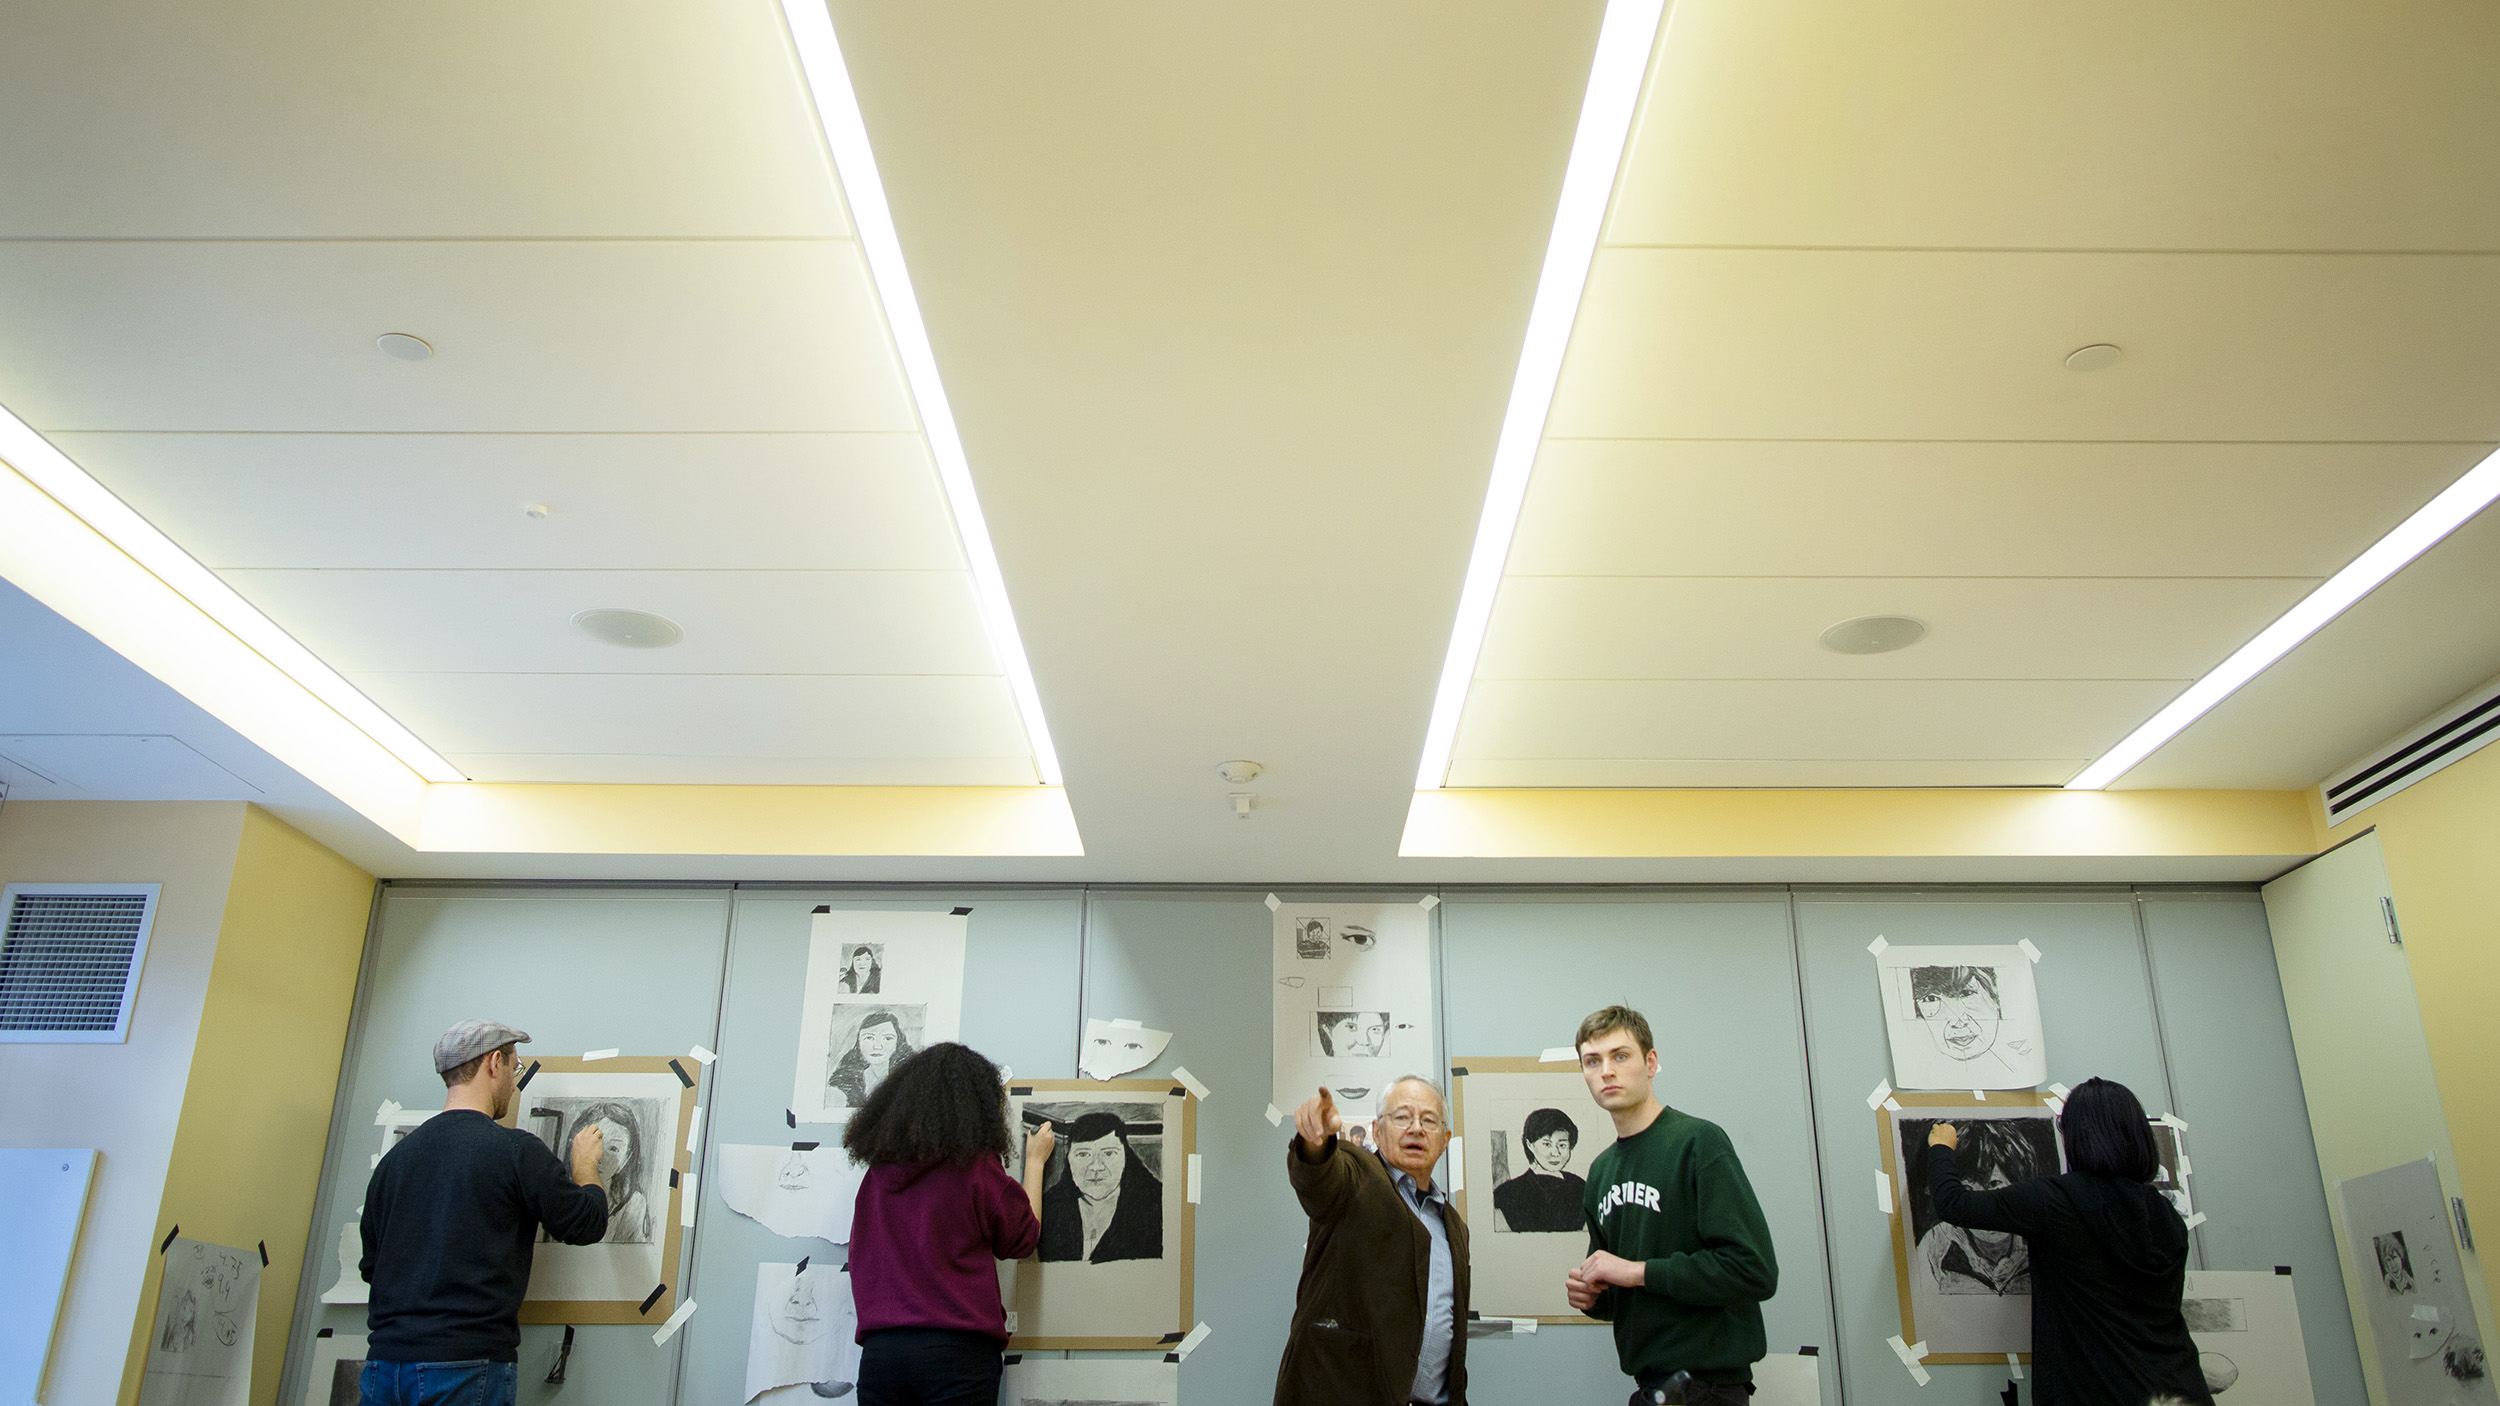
1102, 1196
1544, 1195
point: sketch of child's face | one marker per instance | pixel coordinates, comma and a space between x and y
1551, 1153
862, 963
1097, 1165
876, 1040
618, 1145
1963, 1024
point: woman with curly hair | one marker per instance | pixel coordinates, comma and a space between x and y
877, 1050
935, 1214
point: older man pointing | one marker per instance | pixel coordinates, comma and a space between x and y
1380, 1317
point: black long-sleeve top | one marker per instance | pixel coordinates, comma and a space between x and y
451, 1219
2108, 1263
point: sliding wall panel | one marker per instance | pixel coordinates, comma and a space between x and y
1715, 975
2254, 1164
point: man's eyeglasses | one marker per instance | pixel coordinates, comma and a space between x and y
1404, 1119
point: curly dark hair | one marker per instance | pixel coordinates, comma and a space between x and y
944, 1104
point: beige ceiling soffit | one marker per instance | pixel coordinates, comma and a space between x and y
883, 821
55, 556
1625, 824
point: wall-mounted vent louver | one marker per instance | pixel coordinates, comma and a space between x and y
2450, 736
70, 956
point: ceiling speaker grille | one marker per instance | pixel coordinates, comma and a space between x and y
67, 959
2450, 736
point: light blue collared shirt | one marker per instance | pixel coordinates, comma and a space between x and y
1432, 1367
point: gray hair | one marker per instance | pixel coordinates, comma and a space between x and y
1427, 1083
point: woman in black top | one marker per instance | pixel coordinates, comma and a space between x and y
2108, 1256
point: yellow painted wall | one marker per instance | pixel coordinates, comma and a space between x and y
246, 1157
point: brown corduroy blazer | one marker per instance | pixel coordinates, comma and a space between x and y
1358, 1314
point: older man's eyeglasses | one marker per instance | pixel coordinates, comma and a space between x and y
1406, 1118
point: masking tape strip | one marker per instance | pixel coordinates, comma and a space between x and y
1428, 902
2029, 951
1190, 1082
694, 1130
1881, 1096
1196, 1178
1876, 948
675, 1321
609, 1053
1458, 1165
702, 1055
1274, 903
1275, 1116
1558, 1054
686, 1202
1883, 1192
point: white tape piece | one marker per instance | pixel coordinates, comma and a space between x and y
1011, 1322
2426, 1312
1275, 1116
1882, 1094
1123, 1023
1428, 902
2196, 1220
1918, 1350
1523, 1325
1196, 1178
1458, 1165
694, 1130
1909, 1356
2029, 951
1559, 1054
702, 1055
675, 1321
2061, 1091
1190, 1343
2184, 1169
2057, 1106
686, 1199
389, 1110
609, 1053
2173, 1122
1893, 1103
1979, 1094
1876, 948
2014, 1364
1883, 1192
1189, 1081
1274, 903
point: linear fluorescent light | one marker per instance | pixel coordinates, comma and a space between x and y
2459, 502
846, 131
73, 488
1624, 42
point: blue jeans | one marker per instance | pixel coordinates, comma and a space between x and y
441, 1383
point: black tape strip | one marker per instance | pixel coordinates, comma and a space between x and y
682, 1076
805, 1146
1458, 1071
1024, 1091
960, 912
322, 1334
169, 1239
672, 1178
526, 1075
2282, 1269
264, 1254
1178, 1091
1473, 1315
1011, 1359
802, 1269
1809, 1350
656, 1291
1173, 1337
1171, 1357
824, 908
789, 1117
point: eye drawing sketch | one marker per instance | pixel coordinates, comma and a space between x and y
2395, 1267
1102, 1195
1350, 1034
1961, 1018
1114, 1048
633, 1141
1361, 939
1994, 1153
1545, 1195
1311, 939
863, 970
866, 1043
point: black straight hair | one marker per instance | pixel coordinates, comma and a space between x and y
2106, 1133
944, 1104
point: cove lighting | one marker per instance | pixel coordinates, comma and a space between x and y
846, 132
73, 488
1624, 42
2415, 535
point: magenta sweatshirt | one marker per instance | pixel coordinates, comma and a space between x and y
926, 1240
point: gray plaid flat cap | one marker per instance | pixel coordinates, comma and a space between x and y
471, 1038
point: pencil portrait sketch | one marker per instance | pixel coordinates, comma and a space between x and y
866, 1042
863, 970
1961, 1018
1527, 1139
881, 984
631, 1132
642, 1106
1102, 1195
1311, 939
1350, 1034
1352, 1001
1544, 1195
803, 1331
1967, 1293
199, 1349
2395, 1267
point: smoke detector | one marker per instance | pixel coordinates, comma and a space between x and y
1240, 773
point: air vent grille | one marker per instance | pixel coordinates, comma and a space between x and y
69, 960
2450, 736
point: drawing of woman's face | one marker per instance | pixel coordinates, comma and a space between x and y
1097, 1165
863, 962
1373, 1033
617, 1147
1551, 1153
1340, 1030
1963, 1024
877, 1040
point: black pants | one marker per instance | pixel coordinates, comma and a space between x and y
1702, 1394
928, 1367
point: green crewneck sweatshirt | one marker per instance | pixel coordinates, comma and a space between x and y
1674, 1197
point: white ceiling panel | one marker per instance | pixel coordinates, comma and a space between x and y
1822, 508
645, 770
736, 622
2240, 124
1603, 772
1858, 344
1590, 627
467, 117
868, 502
893, 718
1804, 720
753, 336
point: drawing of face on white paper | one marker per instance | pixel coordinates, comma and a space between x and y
865, 1043
880, 987
1311, 939
199, 1348
1102, 1194
1350, 1034
634, 1137
1112, 1049
801, 1336
791, 1189
2395, 1267
1959, 1008
1961, 1018
863, 971
1363, 1015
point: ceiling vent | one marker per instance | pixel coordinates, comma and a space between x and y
2450, 736
70, 956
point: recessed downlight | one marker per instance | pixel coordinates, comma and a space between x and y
1873, 634
2100, 356
405, 346
633, 629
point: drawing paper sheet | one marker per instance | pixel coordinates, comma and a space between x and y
2246, 1324
879, 986
1968, 1291
1125, 1283
1788, 1379
43, 1197
804, 1324
335, 1376
2170, 1175
349, 1286
1526, 1228
1053, 1381
791, 1192
1112, 1049
200, 1346
2430, 1351
638, 1117
1353, 1002
1961, 1018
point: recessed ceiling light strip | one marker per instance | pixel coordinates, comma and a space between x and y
846, 131
1624, 43
2390, 554
73, 488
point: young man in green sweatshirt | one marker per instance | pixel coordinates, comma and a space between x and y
1679, 1258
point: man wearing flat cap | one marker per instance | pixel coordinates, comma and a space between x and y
451, 1216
